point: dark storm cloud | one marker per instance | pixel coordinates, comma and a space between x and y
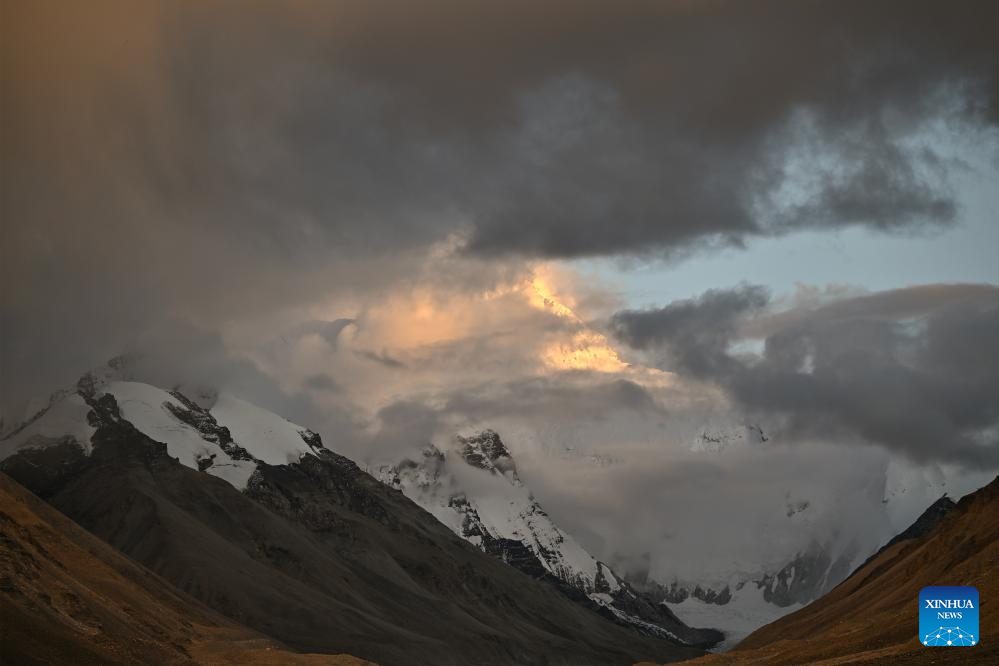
912, 369
651, 126
553, 128
214, 159
698, 332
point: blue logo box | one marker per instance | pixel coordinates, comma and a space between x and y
948, 616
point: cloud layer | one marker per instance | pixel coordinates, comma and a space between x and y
910, 369
213, 160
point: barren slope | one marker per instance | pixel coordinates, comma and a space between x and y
68, 598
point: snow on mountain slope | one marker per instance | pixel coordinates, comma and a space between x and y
226, 442
743, 599
65, 416
154, 412
475, 490
746, 611
844, 524
265, 435
317, 553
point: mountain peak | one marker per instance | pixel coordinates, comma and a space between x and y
228, 441
485, 450
506, 521
296, 541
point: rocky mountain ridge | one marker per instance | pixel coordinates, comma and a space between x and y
474, 489
256, 518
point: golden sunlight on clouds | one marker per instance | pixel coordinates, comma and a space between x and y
534, 322
540, 295
433, 336
585, 350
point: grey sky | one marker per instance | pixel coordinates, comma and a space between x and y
355, 212
231, 164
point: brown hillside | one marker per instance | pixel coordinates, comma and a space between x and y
872, 616
68, 598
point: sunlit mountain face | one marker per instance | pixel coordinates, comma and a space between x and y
586, 350
720, 275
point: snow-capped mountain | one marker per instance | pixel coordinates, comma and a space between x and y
227, 440
475, 490
800, 550
253, 516
830, 532
806, 576
505, 521
748, 601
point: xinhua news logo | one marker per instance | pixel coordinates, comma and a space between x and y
948, 616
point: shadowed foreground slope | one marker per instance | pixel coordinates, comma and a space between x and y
321, 556
872, 616
68, 598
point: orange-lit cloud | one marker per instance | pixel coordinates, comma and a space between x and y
431, 337
422, 317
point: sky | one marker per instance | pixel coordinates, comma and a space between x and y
604, 229
964, 253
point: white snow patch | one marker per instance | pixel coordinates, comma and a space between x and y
67, 416
508, 510
144, 406
746, 612
236, 473
611, 579
265, 435
505, 508
602, 598
607, 601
